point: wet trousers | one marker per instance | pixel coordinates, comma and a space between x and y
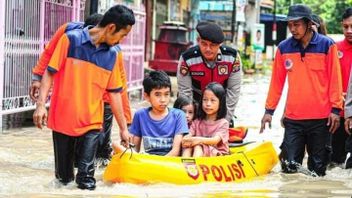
301, 134
104, 149
104, 145
64, 151
338, 144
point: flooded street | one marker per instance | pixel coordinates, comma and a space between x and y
27, 164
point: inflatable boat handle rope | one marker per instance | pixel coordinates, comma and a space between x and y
130, 147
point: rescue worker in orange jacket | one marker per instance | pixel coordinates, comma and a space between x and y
314, 98
345, 55
104, 148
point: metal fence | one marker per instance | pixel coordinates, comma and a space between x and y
26, 25
133, 49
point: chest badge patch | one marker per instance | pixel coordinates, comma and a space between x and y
183, 70
223, 70
339, 54
288, 64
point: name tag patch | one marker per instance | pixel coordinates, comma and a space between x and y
197, 73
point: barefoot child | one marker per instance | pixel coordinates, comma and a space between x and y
209, 132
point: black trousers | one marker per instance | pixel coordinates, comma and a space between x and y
348, 148
338, 144
311, 134
64, 151
104, 144
104, 149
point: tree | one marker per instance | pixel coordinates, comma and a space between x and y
330, 10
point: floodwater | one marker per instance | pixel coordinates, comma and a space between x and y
27, 165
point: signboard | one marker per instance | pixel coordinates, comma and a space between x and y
257, 38
240, 10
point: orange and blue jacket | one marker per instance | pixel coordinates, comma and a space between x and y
42, 64
314, 79
82, 75
345, 56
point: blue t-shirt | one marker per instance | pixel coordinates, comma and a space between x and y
158, 135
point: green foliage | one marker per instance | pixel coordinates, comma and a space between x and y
246, 62
330, 10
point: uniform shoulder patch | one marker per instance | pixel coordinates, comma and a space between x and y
236, 66
183, 70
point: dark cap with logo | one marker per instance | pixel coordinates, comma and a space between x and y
210, 32
299, 11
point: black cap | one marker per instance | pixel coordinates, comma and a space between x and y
316, 19
210, 32
299, 11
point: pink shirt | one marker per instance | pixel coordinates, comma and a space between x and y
205, 128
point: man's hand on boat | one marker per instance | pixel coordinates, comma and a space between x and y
126, 138
266, 119
119, 148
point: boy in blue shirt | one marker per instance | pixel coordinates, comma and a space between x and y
161, 128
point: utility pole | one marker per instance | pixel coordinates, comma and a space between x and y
233, 22
274, 29
93, 6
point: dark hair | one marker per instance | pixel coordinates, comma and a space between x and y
182, 101
156, 80
119, 15
347, 13
306, 20
321, 24
220, 93
93, 19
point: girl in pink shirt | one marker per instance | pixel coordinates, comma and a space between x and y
209, 132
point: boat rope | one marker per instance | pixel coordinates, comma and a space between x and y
130, 147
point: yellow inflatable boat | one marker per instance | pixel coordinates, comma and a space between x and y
246, 161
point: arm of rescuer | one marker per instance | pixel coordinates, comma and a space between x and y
277, 83
114, 88
58, 59
348, 107
233, 88
184, 79
124, 94
43, 62
335, 88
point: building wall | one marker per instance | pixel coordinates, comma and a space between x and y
133, 46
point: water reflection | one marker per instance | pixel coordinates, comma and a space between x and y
27, 165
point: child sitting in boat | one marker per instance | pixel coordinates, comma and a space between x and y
188, 106
209, 132
161, 128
